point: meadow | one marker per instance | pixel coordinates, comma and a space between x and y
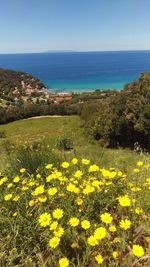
49, 129
86, 206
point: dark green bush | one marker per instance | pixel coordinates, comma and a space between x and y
64, 143
122, 120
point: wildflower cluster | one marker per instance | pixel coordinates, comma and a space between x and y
85, 213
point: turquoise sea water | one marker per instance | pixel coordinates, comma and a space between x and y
81, 71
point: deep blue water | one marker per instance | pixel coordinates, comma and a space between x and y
81, 71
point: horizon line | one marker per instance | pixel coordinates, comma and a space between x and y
72, 51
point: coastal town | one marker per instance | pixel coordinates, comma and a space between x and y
43, 95
23, 88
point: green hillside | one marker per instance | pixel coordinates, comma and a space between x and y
49, 129
16, 85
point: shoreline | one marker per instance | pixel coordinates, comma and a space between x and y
80, 91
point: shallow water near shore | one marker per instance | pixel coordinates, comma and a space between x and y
81, 71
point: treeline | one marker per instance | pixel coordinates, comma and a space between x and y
28, 110
121, 120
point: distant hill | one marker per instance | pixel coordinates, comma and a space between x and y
16, 86
60, 51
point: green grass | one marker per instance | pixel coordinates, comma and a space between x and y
41, 128
50, 129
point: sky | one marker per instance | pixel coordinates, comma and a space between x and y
80, 25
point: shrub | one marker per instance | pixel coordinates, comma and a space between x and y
64, 143
2, 134
123, 119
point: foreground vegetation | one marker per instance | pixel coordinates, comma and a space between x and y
66, 201
76, 214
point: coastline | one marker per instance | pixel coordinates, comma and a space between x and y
86, 89
81, 91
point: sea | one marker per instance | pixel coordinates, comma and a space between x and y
81, 71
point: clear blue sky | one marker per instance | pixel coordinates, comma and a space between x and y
39, 25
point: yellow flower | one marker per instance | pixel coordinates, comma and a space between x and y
3, 180
63, 262
137, 250
85, 224
136, 189
44, 219
65, 164
106, 218
140, 163
92, 241
25, 188
74, 161
71, 187
112, 228
88, 189
22, 170
24, 181
99, 259
78, 174
14, 214
9, 185
42, 198
54, 242
93, 168
38, 175
7, 197
100, 233
31, 203
138, 210
52, 191
58, 213
31, 183
59, 231
85, 161
124, 201
16, 179
53, 225
74, 221
39, 190
125, 224
119, 173
48, 166
136, 170
79, 201
16, 198
115, 254
96, 183
49, 178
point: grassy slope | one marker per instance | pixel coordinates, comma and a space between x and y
51, 128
